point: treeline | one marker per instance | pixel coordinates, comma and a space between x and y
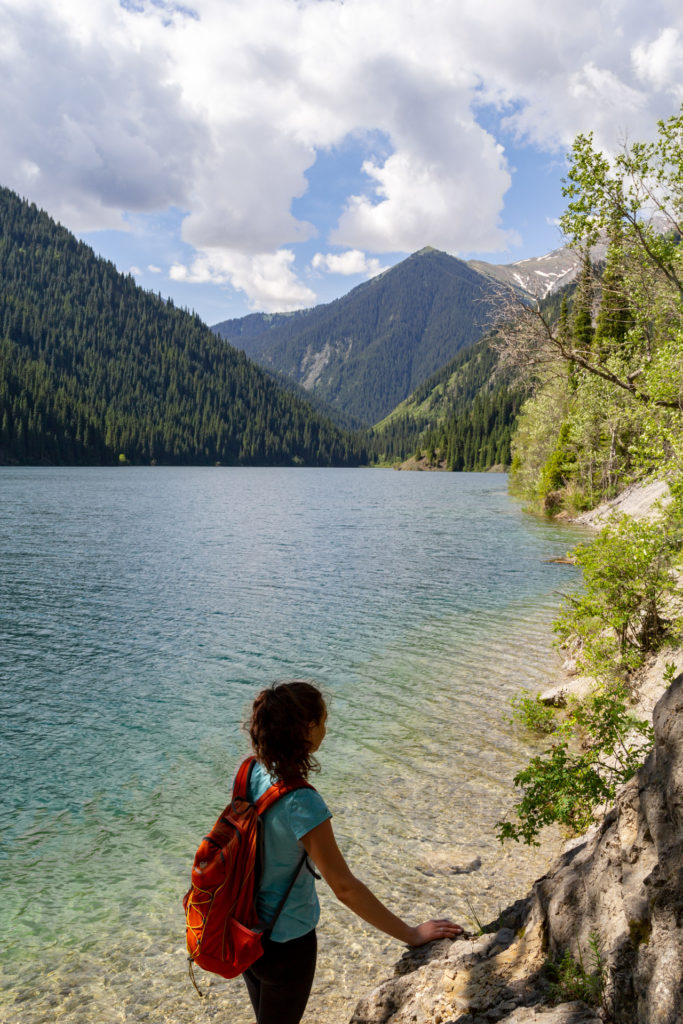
95, 370
461, 419
477, 437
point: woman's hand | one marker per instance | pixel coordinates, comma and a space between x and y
429, 931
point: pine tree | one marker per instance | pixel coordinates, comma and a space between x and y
582, 319
614, 318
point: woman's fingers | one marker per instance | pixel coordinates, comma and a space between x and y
429, 931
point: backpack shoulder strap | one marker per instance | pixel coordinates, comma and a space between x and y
277, 790
239, 786
273, 793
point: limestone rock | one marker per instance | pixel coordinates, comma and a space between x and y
625, 884
565, 1013
638, 500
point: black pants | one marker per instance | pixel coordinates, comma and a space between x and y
280, 981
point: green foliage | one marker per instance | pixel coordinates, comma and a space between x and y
582, 318
572, 980
561, 464
614, 318
532, 713
537, 428
670, 672
597, 746
92, 367
620, 352
464, 415
625, 611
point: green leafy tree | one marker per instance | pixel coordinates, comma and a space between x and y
630, 591
597, 746
623, 387
638, 200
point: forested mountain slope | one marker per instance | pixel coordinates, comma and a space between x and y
462, 417
366, 352
94, 370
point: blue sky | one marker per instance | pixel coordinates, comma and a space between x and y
243, 155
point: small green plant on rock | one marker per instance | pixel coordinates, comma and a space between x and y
571, 979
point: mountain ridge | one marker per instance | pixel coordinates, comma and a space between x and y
364, 353
540, 276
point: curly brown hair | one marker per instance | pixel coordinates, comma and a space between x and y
281, 719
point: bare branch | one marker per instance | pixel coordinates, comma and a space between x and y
527, 339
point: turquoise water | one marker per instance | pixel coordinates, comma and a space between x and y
142, 609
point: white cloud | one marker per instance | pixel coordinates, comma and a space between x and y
267, 278
415, 202
153, 269
219, 109
93, 112
660, 65
594, 85
353, 261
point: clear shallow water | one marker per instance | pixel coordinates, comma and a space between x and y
140, 611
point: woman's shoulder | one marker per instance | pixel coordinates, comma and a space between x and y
305, 809
260, 780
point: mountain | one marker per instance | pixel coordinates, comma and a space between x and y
539, 276
364, 353
95, 370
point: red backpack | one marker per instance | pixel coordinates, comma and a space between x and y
224, 934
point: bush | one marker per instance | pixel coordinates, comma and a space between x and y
598, 745
532, 713
625, 611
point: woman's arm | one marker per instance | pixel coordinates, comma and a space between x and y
321, 846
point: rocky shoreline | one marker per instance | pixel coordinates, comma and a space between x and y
618, 889
622, 882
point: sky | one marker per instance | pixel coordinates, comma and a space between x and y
268, 155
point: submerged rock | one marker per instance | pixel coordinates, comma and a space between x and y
437, 868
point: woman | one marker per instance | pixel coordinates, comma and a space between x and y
287, 727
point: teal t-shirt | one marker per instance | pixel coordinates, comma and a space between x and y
290, 818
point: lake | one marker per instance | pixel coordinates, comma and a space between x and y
141, 610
